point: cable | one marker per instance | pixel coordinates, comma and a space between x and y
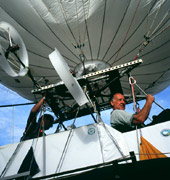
12, 105
66, 146
127, 32
145, 92
8, 164
113, 140
146, 95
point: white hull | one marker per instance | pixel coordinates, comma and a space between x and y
81, 149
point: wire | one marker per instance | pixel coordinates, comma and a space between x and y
156, 14
75, 117
146, 95
127, 31
8, 164
12, 105
145, 92
66, 144
113, 139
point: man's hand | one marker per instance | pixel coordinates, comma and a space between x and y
150, 98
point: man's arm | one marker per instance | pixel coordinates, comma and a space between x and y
35, 110
143, 114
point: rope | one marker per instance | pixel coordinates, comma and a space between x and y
154, 20
145, 93
58, 23
152, 153
161, 21
159, 24
113, 39
101, 145
75, 117
127, 31
86, 29
148, 38
65, 18
153, 37
76, 45
11, 159
85, 18
34, 119
17, 150
64, 151
82, 43
66, 146
79, 45
31, 158
102, 29
13, 124
113, 140
78, 23
34, 149
145, 42
44, 142
138, 144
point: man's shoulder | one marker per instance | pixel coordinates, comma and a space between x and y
119, 111
116, 114
121, 120
121, 115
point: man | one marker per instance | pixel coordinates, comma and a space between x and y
124, 121
34, 129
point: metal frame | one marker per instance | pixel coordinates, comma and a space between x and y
63, 104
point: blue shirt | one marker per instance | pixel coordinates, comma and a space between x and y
33, 131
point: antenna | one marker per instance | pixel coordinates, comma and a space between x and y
70, 82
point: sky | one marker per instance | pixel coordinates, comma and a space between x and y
13, 119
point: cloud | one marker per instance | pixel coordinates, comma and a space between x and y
13, 119
3, 123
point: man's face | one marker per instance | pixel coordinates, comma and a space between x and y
118, 102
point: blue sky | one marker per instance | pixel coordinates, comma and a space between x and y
13, 119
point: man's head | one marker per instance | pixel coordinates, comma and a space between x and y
48, 121
118, 101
